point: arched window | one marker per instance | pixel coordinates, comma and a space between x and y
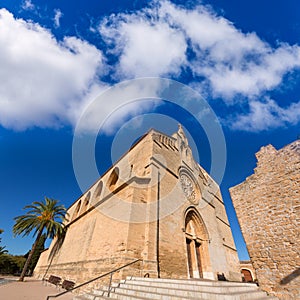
86, 203
76, 213
98, 190
113, 179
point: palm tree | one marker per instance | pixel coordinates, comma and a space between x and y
2, 249
46, 217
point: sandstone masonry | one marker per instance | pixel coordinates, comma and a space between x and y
267, 204
155, 204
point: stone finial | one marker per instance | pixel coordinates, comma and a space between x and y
180, 129
182, 135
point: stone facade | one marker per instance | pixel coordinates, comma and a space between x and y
267, 204
156, 204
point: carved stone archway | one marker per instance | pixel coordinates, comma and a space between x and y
196, 237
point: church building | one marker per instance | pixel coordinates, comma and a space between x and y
157, 204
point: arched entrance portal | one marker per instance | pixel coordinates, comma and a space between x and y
196, 244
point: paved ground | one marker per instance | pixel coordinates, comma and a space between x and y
30, 289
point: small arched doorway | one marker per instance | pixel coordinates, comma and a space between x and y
247, 275
196, 244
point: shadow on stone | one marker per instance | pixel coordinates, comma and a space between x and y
55, 249
290, 277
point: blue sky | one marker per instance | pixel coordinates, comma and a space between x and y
243, 57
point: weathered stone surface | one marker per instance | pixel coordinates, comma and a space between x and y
154, 204
267, 205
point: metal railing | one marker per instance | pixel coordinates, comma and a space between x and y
96, 278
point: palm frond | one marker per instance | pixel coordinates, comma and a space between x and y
48, 215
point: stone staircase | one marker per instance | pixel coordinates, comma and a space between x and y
176, 289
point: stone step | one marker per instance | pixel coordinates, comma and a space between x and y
187, 294
189, 281
154, 286
119, 293
90, 296
165, 297
176, 289
187, 286
127, 297
125, 294
115, 296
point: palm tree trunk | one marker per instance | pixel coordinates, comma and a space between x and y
31, 254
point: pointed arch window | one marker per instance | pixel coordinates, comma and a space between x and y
113, 179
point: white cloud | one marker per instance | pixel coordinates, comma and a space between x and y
42, 80
45, 82
154, 41
250, 78
28, 5
57, 16
144, 47
266, 115
231, 61
114, 105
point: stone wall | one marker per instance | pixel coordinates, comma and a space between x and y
268, 209
140, 208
